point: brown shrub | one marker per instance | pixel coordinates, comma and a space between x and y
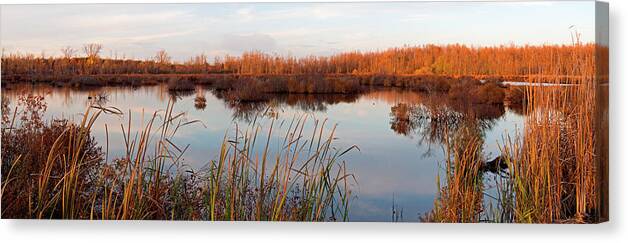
79, 81
31, 140
177, 84
458, 92
434, 84
515, 95
490, 93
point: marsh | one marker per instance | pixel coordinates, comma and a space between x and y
400, 145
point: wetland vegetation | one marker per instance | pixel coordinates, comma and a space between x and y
300, 139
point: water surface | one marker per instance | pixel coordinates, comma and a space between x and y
397, 164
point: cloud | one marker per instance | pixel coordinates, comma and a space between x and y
415, 17
301, 32
299, 29
318, 12
142, 38
248, 42
526, 3
116, 19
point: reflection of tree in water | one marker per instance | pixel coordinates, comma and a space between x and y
200, 102
98, 98
247, 110
435, 117
176, 95
242, 110
460, 129
312, 103
400, 121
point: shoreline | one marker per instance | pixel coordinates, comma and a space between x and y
133, 79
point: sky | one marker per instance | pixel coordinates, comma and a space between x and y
297, 29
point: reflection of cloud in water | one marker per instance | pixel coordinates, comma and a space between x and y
380, 208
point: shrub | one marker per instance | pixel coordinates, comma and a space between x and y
515, 95
79, 81
434, 84
25, 148
490, 93
177, 84
458, 92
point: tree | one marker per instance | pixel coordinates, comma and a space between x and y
68, 52
92, 50
199, 59
162, 57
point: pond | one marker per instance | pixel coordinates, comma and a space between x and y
400, 152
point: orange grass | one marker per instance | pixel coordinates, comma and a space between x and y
554, 166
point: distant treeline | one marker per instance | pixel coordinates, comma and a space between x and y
453, 60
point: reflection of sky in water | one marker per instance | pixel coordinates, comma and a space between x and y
387, 164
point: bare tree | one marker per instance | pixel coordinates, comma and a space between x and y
162, 57
199, 59
92, 49
68, 52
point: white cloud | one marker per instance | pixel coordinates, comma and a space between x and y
415, 17
108, 20
320, 12
248, 42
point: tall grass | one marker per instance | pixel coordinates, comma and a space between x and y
460, 199
554, 164
303, 180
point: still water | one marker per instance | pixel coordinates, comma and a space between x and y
399, 155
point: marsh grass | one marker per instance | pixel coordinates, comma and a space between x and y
303, 180
459, 199
554, 164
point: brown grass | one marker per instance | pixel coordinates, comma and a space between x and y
460, 199
304, 180
554, 166
176, 84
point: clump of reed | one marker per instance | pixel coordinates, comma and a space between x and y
200, 102
303, 180
460, 199
554, 165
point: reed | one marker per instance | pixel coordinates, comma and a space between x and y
303, 180
555, 167
460, 199
554, 164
